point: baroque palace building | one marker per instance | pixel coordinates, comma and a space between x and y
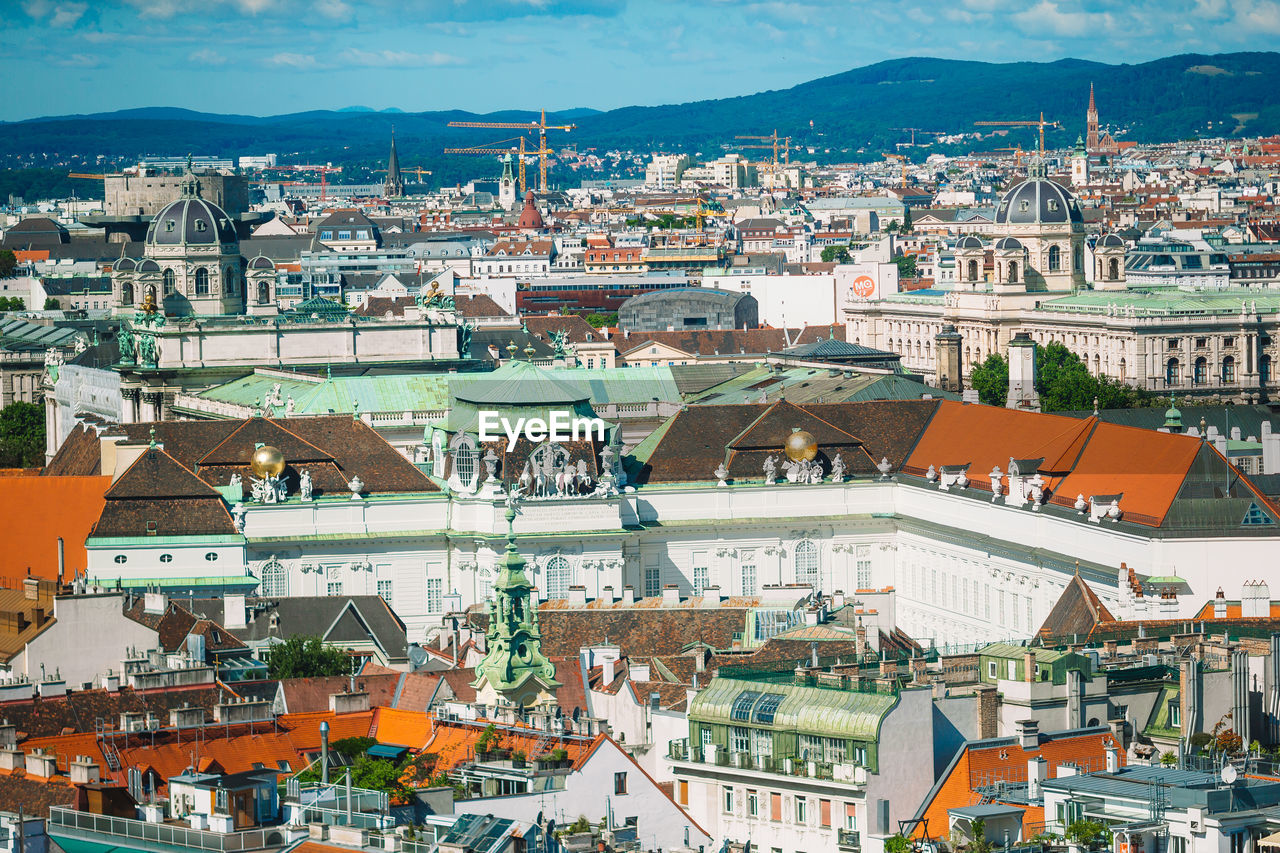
1042, 274
958, 523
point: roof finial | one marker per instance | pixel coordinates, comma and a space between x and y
153, 437
1077, 568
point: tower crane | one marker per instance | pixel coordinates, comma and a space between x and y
87, 177
903, 161
541, 126
773, 143
413, 170
915, 130
493, 148
323, 170
1041, 123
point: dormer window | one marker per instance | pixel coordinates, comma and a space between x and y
166, 558
1053, 204
169, 225
1024, 205
201, 225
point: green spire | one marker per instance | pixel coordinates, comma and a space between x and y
514, 665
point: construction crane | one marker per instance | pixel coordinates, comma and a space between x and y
902, 160
413, 170
493, 148
1042, 124
915, 130
700, 213
324, 171
541, 126
87, 177
1017, 151
773, 143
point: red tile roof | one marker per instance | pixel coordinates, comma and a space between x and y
44, 508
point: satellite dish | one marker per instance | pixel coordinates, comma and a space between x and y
1229, 774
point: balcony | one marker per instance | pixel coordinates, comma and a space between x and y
681, 750
848, 839
159, 837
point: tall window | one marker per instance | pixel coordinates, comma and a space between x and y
275, 580
973, 270
728, 799
264, 293
652, 581
464, 461
170, 282
435, 595
749, 578
1264, 368
739, 738
1201, 373
1228, 370
805, 561
558, 576
333, 580
126, 294
1013, 272
484, 583
1171, 372
864, 567
384, 589
1113, 269
1055, 258
700, 581
202, 282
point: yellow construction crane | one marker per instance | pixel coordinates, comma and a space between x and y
1042, 124
492, 148
1017, 151
700, 212
773, 143
87, 177
413, 170
541, 126
901, 159
914, 130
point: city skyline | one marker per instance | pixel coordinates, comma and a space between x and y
266, 57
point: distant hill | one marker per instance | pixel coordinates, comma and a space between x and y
1170, 98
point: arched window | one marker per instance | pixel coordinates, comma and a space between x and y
264, 293
559, 574
202, 282
464, 460
1171, 372
1013, 272
1228, 370
1055, 259
126, 294
1200, 374
274, 582
170, 282
806, 563
973, 270
1264, 368
1079, 259
1123, 373
229, 281
1113, 269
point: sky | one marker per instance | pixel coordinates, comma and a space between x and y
266, 57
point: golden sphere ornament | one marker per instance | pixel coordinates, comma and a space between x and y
267, 461
800, 445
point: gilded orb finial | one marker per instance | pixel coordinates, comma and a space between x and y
267, 461
800, 445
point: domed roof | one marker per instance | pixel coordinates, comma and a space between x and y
1009, 243
530, 218
191, 221
1038, 201
261, 263
1111, 240
126, 265
969, 243
148, 265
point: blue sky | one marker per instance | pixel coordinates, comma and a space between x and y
272, 56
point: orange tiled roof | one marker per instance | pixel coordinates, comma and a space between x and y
305, 728
454, 743
401, 728
44, 508
1004, 759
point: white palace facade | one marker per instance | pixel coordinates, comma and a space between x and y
897, 496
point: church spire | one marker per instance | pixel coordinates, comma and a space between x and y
393, 187
1092, 138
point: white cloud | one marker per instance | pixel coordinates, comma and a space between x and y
206, 56
335, 10
396, 58
60, 15
1046, 18
299, 61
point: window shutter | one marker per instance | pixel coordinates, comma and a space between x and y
775, 807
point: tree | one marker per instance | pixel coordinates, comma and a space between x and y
306, 657
897, 844
1168, 759
51, 304
991, 380
22, 435
8, 263
12, 303
599, 321
907, 267
892, 226
837, 254
353, 746
906, 221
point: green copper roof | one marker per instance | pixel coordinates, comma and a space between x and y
621, 384
808, 710
518, 383
1166, 301
405, 392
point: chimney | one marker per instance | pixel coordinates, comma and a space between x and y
711, 595
578, 595
1028, 665
1028, 733
670, 595
1037, 772
628, 596
607, 670
31, 588
1220, 605
607, 596
154, 603
348, 703
1113, 758
84, 771
41, 764
12, 758
233, 616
